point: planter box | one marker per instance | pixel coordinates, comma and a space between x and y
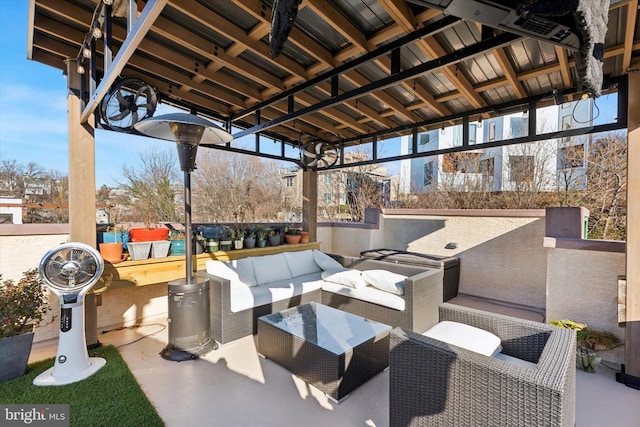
160, 248
139, 250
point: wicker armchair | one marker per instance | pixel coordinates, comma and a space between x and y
436, 384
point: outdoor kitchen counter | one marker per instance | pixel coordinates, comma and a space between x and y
161, 270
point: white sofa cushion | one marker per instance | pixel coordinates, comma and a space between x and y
345, 276
325, 261
239, 272
385, 280
369, 294
301, 263
270, 268
466, 336
249, 297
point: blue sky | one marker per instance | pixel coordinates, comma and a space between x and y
33, 109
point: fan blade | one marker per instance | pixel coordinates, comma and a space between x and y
318, 148
121, 99
333, 152
120, 116
308, 154
134, 118
313, 163
322, 163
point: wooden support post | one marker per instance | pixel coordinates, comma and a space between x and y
631, 376
82, 176
310, 203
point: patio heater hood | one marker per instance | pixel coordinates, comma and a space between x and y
189, 317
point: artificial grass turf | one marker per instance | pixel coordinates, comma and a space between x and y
111, 397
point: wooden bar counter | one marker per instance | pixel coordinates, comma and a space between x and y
161, 270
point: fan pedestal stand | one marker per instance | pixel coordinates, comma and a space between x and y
72, 360
70, 271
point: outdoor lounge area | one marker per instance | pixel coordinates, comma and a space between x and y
302, 334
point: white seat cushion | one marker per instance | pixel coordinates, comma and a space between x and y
239, 272
325, 262
465, 336
369, 294
385, 280
301, 263
345, 276
270, 268
242, 299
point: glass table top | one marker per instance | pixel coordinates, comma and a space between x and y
329, 328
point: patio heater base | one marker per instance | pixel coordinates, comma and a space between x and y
628, 380
189, 320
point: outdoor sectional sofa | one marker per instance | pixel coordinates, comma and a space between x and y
245, 289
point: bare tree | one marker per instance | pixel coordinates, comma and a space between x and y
152, 183
235, 187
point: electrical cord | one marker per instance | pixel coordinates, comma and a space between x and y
162, 328
595, 105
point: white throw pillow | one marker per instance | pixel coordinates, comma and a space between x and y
325, 262
466, 336
346, 277
385, 280
270, 268
237, 271
301, 263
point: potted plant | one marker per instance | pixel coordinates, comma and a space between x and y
293, 236
262, 239
23, 305
238, 237
274, 238
150, 232
250, 240
198, 243
176, 239
225, 241
588, 342
113, 244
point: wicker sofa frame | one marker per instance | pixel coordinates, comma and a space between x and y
423, 295
432, 383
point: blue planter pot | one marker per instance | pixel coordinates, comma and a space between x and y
177, 247
117, 237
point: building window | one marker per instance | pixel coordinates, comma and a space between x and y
521, 168
487, 166
518, 126
571, 157
473, 129
424, 139
289, 181
428, 173
492, 131
327, 178
328, 197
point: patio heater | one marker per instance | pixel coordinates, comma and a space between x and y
188, 304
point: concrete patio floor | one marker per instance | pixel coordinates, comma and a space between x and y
233, 386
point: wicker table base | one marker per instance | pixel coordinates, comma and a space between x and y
331, 350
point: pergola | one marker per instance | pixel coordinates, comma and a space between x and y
351, 72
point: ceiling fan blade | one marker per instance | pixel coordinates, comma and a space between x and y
120, 116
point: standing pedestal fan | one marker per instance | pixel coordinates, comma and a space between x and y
70, 270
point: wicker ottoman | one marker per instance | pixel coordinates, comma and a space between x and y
330, 349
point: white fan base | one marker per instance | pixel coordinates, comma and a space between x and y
47, 378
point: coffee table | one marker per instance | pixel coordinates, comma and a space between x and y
330, 349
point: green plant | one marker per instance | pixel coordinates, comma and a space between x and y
251, 235
176, 235
262, 235
23, 305
238, 234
